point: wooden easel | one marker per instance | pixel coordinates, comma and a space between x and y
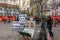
29, 26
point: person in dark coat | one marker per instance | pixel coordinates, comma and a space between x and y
49, 24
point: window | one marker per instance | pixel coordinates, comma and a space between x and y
14, 14
14, 10
0, 8
10, 10
5, 14
6, 9
1, 14
9, 14
3, 9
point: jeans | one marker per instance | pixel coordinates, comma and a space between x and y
50, 31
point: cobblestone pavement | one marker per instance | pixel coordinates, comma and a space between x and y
6, 32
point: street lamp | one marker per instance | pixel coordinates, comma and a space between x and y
42, 6
42, 34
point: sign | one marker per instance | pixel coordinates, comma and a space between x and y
30, 31
20, 25
22, 18
17, 26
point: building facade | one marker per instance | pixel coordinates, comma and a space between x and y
8, 8
23, 4
37, 7
54, 9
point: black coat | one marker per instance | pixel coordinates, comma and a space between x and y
50, 22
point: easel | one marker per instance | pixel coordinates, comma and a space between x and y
29, 26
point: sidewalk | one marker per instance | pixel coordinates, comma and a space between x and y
6, 32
